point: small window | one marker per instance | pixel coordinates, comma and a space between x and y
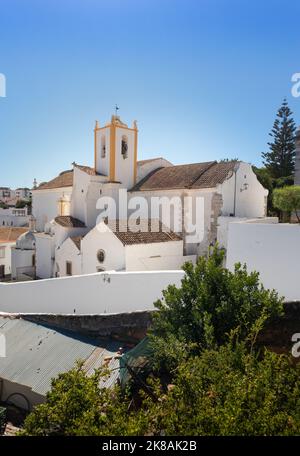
124, 147
103, 147
69, 268
33, 260
101, 256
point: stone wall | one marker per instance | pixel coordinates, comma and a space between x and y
126, 327
132, 326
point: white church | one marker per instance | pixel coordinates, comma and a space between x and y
66, 236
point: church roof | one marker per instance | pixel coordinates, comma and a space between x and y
64, 179
151, 231
11, 234
193, 176
68, 221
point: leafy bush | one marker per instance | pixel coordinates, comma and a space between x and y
287, 199
211, 302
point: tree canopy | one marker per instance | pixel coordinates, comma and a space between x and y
280, 159
287, 199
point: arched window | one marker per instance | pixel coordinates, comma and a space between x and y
101, 256
103, 147
124, 147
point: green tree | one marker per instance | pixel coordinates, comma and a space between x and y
210, 303
230, 391
280, 159
20, 204
76, 405
270, 183
287, 199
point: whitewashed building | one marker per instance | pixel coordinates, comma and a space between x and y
66, 208
13, 216
8, 239
107, 247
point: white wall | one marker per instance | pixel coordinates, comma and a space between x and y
223, 223
156, 256
45, 204
107, 241
10, 217
68, 252
81, 182
271, 249
6, 261
250, 202
44, 255
99, 293
21, 260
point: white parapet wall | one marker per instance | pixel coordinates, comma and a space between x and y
272, 249
100, 293
224, 221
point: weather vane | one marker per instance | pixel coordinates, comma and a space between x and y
116, 109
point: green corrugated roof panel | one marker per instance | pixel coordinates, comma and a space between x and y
137, 359
36, 353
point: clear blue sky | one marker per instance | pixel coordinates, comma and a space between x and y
204, 78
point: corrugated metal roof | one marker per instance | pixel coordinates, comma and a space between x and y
36, 353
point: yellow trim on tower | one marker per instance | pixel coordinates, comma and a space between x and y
95, 144
135, 154
112, 155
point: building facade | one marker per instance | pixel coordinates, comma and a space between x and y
66, 209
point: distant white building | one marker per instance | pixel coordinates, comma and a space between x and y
23, 193
8, 238
10, 196
13, 216
65, 208
23, 253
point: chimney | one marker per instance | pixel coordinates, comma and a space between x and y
297, 159
32, 223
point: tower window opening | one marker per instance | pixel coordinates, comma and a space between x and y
103, 147
124, 147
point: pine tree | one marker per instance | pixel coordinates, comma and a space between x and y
280, 160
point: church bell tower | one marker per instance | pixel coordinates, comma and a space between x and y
116, 151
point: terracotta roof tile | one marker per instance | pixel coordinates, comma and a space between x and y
159, 233
68, 221
195, 175
64, 179
215, 175
11, 234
